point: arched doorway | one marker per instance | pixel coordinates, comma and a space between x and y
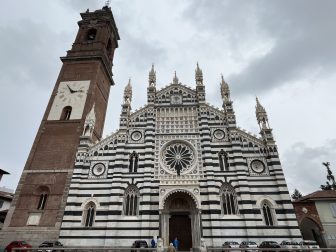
311, 231
180, 218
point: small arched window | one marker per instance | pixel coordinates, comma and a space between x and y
66, 113
267, 213
42, 201
228, 200
91, 35
133, 162
41, 193
223, 160
89, 214
131, 201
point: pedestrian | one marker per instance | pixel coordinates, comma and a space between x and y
176, 243
171, 248
153, 243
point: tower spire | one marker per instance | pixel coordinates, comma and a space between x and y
175, 79
126, 106
261, 115
262, 119
152, 77
227, 103
198, 75
128, 92
225, 89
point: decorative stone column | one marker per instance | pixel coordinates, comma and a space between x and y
196, 229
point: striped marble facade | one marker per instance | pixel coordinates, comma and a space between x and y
123, 199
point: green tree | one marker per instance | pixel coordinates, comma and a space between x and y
296, 194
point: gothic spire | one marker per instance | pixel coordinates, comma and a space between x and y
225, 90
128, 92
261, 115
175, 79
152, 77
259, 107
90, 122
198, 75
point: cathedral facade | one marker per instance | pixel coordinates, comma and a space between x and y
177, 167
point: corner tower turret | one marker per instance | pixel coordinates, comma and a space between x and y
265, 130
227, 104
200, 89
126, 106
151, 89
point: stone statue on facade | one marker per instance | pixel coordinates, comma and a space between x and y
159, 247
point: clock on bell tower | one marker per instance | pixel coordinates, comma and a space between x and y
84, 81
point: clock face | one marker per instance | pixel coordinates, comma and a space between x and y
98, 169
69, 94
257, 166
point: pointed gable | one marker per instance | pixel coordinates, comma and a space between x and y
176, 94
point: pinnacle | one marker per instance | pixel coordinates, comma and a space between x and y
129, 82
259, 107
175, 79
152, 71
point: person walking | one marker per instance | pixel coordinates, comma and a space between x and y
171, 248
176, 243
153, 243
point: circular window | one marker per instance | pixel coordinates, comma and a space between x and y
219, 134
136, 136
257, 166
178, 157
98, 169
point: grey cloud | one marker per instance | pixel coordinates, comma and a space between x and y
24, 60
82, 5
301, 33
303, 165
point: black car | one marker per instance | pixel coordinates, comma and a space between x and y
139, 244
51, 246
269, 244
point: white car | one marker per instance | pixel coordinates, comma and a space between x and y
250, 245
290, 245
308, 244
231, 244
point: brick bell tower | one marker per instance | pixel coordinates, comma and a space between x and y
83, 85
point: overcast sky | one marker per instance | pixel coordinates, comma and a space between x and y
281, 51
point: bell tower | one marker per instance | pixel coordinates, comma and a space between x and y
83, 85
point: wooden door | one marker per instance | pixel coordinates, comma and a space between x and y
180, 227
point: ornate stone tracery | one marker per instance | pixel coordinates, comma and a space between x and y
178, 157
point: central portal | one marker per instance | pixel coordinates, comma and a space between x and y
180, 227
180, 218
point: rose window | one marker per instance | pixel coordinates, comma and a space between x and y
178, 157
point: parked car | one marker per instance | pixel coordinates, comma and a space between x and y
290, 245
17, 244
269, 244
231, 244
139, 244
251, 245
51, 246
308, 244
